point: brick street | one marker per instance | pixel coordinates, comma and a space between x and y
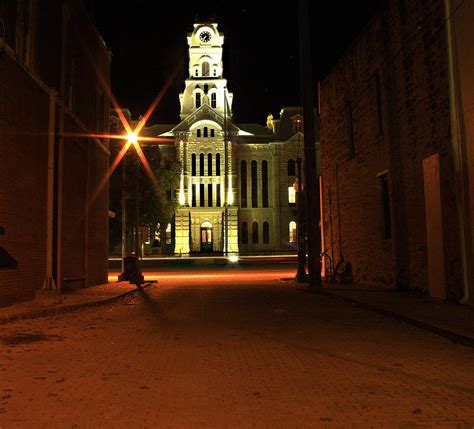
194, 352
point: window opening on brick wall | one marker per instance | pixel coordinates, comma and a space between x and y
292, 231
243, 183
266, 232
255, 233
193, 164
264, 183
254, 184
291, 196
245, 233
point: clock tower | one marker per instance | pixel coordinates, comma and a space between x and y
205, 84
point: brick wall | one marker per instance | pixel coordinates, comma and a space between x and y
23, 155
405, 46
25, 80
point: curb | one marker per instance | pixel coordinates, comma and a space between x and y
450, 335
68, 308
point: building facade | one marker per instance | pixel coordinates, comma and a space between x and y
391, 184
236, 190
53, 199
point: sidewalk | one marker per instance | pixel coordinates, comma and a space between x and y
71, 300
454, 321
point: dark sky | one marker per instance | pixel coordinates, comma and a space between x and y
261, 49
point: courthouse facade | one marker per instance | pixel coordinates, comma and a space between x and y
236, 191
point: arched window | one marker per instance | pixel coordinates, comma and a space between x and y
218, 164
264, 183
291, 167
206, 132
196, 72
266, 232
201, 164
245, 233
292, 238
205, 68
198, 132
193, 164
255, 233
198, 100
214, 100
215, 72
209, 164
213, 133
254, 184
243, 183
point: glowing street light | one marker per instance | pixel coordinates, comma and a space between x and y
132, 138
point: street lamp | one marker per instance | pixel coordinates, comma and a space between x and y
133, 272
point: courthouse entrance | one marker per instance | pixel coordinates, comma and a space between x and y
206, 237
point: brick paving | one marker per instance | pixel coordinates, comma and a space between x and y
196, 353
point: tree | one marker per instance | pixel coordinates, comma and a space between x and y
157, 202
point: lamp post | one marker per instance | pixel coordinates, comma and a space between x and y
132, 272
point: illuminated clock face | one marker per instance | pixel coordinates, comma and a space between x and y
205, 36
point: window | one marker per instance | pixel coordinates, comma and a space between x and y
291, 167
218, 164
213, 134
245, 233
378, 105
209, 195
292, 237
291, 196
196, 72
198, 100
266, 233
387, 218
198, 132
193, 195
264, 183
214, 100
201, 164
215, 72
206, 132
205, 68
350, 131
201, 195
255, 233
209, 164
218, 195
193, 164
243, 183
254, 185
168, 234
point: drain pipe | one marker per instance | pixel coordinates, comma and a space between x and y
48, 283
459, 152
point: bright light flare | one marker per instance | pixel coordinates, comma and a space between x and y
233, 258
132, 138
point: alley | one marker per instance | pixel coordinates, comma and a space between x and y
197, 352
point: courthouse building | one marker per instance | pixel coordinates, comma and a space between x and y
236, 190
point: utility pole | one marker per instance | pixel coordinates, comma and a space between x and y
301, 275
124, 218
313, 213
226, 191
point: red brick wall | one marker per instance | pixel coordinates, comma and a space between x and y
23, 152
23, 155
406, 46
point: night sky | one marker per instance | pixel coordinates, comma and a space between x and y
261, 49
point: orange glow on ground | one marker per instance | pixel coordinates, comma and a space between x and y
231, 275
